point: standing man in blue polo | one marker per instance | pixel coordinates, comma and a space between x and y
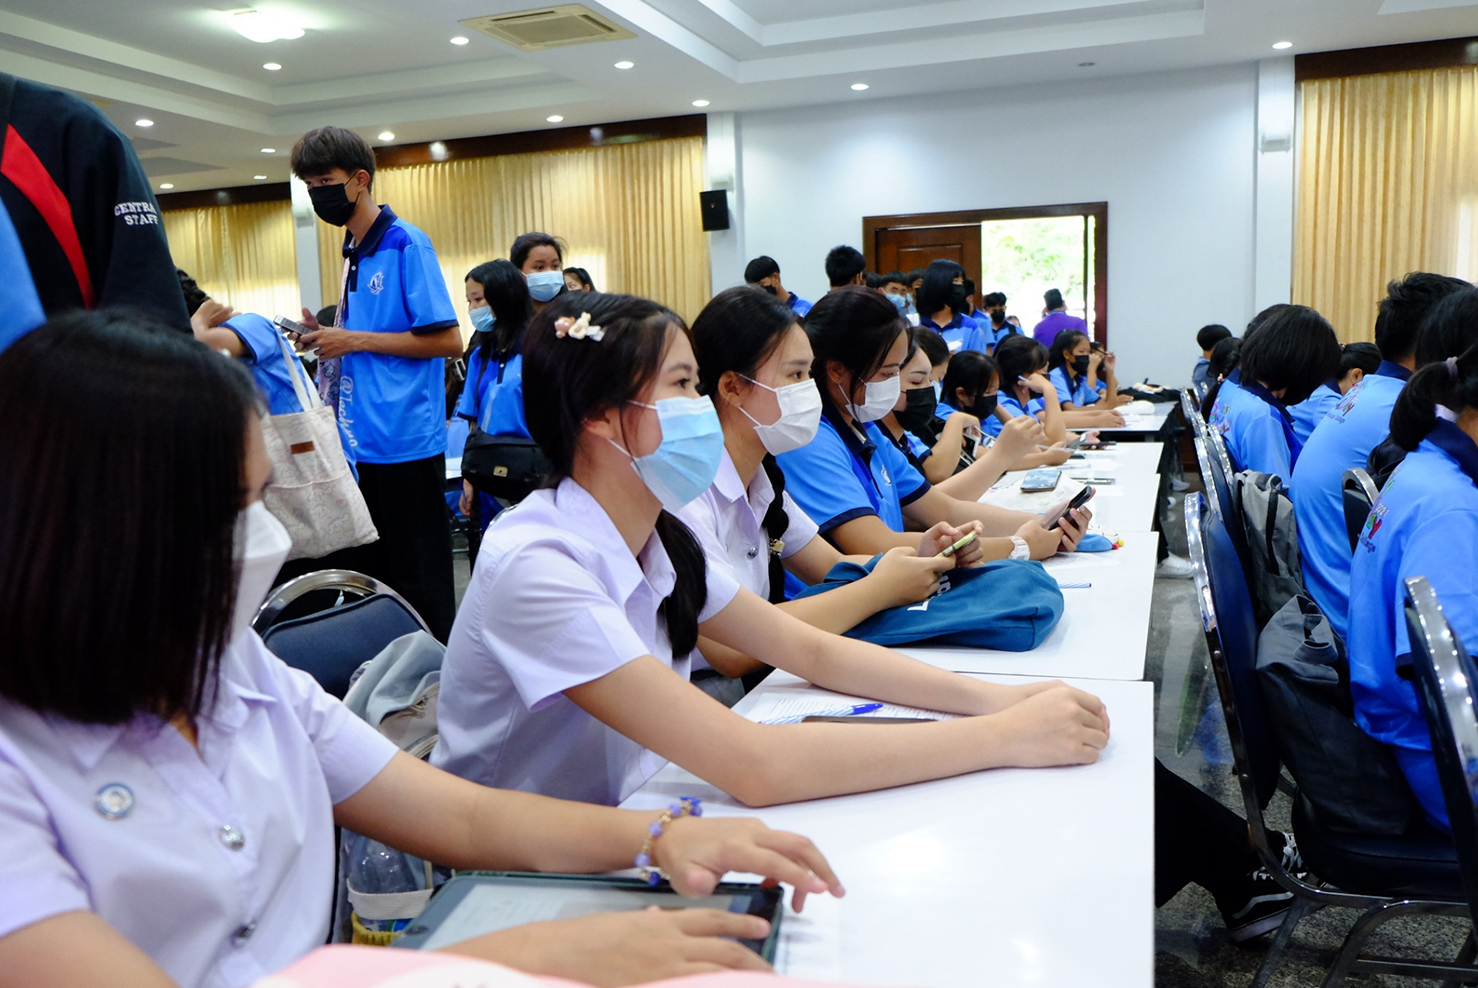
396, 329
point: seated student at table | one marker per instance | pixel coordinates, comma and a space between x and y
1409, 335
941, 302
1022, 365
971, 388
860, 490
499, 306
1425, 523
1355, 361
1087, 389
168, 787
1282, 362
567, 671
1206, 338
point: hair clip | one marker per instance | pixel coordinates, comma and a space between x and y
578, 329
1452, 368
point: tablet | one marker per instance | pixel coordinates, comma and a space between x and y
474, 903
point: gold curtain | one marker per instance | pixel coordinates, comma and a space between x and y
1388, 183
629, 213
242, 255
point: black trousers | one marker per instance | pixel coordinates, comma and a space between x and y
413, 555
1197, 840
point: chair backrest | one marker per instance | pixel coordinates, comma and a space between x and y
1190, 409
1446, 684
1359, 497
1231, 638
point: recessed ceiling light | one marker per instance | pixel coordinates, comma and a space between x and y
1280, 45
858, 87
386, 135
143, 122
1086, 65
253, 25
700, 102
269, 150
461, 39
555, 119
271, 66
166, 185
260, 178
625, 65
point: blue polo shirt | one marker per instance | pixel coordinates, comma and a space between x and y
797, 304
492, 395
991, 424
1425, 523
1072, 391
993, 335
1308, 413
1199, 377
394, 408
1255, 427
960, 333
837, 477
1356, 424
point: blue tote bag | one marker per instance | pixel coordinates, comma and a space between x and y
1009, 605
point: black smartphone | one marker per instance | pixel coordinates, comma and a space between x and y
291, 328
1078, 500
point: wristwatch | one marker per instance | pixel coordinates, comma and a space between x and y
1019, 548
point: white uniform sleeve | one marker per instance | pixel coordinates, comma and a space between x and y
702, 521
36, 881
800, 531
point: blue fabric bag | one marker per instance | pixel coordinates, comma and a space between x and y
1010, 605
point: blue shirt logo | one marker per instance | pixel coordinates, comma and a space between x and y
377, 283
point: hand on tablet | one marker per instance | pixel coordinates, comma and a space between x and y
696, 853
626, 948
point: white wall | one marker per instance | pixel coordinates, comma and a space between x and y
1173, 154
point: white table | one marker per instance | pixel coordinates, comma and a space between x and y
1006, 878
1104, 628
1140, 418
1127, 505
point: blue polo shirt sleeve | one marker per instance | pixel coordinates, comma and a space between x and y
427, 303
468, 402
1058, 377
917, 447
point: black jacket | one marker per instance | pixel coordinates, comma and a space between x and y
82, 207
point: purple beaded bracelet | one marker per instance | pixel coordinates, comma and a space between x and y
685, 806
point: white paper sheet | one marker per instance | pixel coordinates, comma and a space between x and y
790, 706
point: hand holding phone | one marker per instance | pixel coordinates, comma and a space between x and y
1053, 519
290, 327
950, 550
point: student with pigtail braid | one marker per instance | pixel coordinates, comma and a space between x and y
1425, 523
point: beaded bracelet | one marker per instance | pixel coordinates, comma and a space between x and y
685, 806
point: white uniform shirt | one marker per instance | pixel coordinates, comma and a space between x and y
556, 600
217, 863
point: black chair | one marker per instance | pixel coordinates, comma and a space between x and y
1447, 684
1190, 409
1387, 878
350, 618
1359, 496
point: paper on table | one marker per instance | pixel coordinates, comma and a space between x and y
778, 704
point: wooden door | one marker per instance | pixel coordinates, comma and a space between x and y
906, 248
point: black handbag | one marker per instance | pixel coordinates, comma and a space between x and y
509, 468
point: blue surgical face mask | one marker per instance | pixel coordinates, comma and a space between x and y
685, 463
544, 285
482, 318
899, 302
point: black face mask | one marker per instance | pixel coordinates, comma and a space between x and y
957, 298
1080, 364
770, 289
984, 405
918, 412
332, 203
998, 316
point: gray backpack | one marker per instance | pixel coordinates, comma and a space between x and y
1274, 566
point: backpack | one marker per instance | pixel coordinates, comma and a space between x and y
397, 693
1274, 566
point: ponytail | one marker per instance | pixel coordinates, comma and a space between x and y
775, 524
679, 612
1452, 382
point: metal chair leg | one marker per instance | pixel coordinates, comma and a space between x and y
1300, 908
1349, 953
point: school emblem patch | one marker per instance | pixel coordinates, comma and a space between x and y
1373, 523
377, 283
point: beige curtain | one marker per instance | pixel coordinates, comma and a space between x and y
629, 213
1388, 183
241, 255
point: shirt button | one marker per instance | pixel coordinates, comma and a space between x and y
751, 552
232, 837
243, 934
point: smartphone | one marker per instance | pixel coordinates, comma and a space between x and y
291, 328
1054, 519
1077, 441
1037, 481
969, 446
964, 540
1100, 445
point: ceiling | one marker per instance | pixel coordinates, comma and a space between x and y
388, 65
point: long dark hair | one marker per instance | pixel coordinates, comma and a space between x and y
1018, 356
737, 331
939, 282
1295, 349
1447, 346
567, 381
1065, 340
970, 371
506, 291
121, 481
854, 326
1225, 357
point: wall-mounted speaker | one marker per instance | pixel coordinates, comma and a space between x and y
714, 207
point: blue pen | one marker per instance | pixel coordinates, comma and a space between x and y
852, 711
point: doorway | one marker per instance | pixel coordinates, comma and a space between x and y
1021, 251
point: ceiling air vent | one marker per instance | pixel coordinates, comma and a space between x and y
549, 27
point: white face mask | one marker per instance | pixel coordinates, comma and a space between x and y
262, 545
878, 399
800, 415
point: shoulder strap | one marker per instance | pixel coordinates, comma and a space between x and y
307, 397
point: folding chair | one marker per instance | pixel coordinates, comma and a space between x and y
349, 618
1359, 496
1385, 877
